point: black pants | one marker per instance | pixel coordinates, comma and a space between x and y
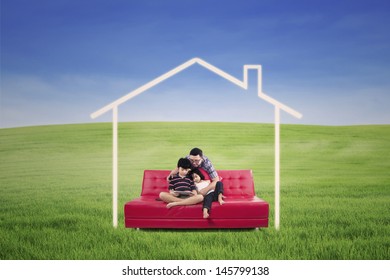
213, 196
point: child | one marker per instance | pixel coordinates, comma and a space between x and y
182, 190
212, 195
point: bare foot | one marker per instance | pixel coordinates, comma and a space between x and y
205, 213
220, 199
171, 204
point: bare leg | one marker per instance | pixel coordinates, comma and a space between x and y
168, 197
187, 201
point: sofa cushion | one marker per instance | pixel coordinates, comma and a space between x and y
237, 183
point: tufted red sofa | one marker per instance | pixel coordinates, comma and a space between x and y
242, 208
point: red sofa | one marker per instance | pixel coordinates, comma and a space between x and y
242, 208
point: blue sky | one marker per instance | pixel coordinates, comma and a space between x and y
62, 60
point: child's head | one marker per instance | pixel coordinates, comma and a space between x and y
184, 166
184, 163
196, 175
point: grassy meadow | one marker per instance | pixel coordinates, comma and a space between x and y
56, 191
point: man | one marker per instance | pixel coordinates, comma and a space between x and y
198, 160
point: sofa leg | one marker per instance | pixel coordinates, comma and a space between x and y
257, 229
137, 229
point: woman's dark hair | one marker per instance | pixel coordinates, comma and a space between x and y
196, 151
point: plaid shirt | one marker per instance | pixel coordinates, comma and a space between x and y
208, 167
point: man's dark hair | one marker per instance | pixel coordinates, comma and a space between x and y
196, 151
184, 163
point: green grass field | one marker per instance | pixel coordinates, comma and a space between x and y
56, 198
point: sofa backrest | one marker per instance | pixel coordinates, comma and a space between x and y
236, 183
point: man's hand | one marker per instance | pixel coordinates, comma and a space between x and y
173, 172
210, 187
